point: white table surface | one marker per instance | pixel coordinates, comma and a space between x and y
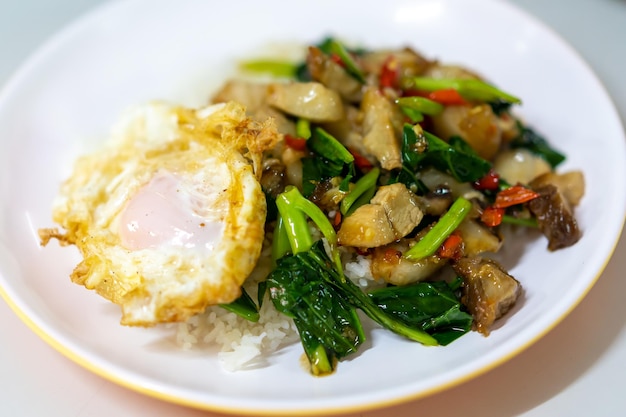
578, 369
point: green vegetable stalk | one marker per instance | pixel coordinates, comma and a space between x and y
310, 287
303, 128
243, 307
446, 224
278, 69
365, 186
421, 104
331, 159
350, 65
470, 89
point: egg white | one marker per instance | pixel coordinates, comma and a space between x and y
169, 216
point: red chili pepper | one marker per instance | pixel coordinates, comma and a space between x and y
511, 196
388, 77
447, 97
491, 181
492, 216
337, 59
298, 144
451, 247
360, 161
337, 219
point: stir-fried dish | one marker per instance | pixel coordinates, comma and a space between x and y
379, 160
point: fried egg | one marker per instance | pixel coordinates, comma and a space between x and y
169, 216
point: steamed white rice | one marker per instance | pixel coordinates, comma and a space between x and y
243, 344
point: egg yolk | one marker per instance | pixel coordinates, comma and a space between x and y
162, 214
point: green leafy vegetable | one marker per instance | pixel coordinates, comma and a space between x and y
302, 73
433, 306
326, 146
331, 159
244, 307
531, 140
421, 149
463, 165
320, 268
310, 286
500, 107
328, 325
335, 47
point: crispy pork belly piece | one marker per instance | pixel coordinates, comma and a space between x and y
571, 184
555, 217
408, 62
311, 100
326, 71
488, 290
476, 124
478, 238
387, 263
392, 214
401, 207
367, 227
382, 122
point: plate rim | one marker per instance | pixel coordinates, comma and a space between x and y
66, 33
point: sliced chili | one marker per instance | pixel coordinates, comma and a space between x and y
444, 227
337, 219
337, 59
451, 247
360, 161
492, 216
388, 77
298, 144
447, 97
491, 181
514, 195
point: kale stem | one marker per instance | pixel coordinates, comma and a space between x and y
303, 128
295, 224
420, 104
320, 365
293, 207
440, 231
280, 241
365, 183
469, 89
531, 222
350, 65
274, 68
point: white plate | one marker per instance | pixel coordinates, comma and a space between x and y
66, 96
